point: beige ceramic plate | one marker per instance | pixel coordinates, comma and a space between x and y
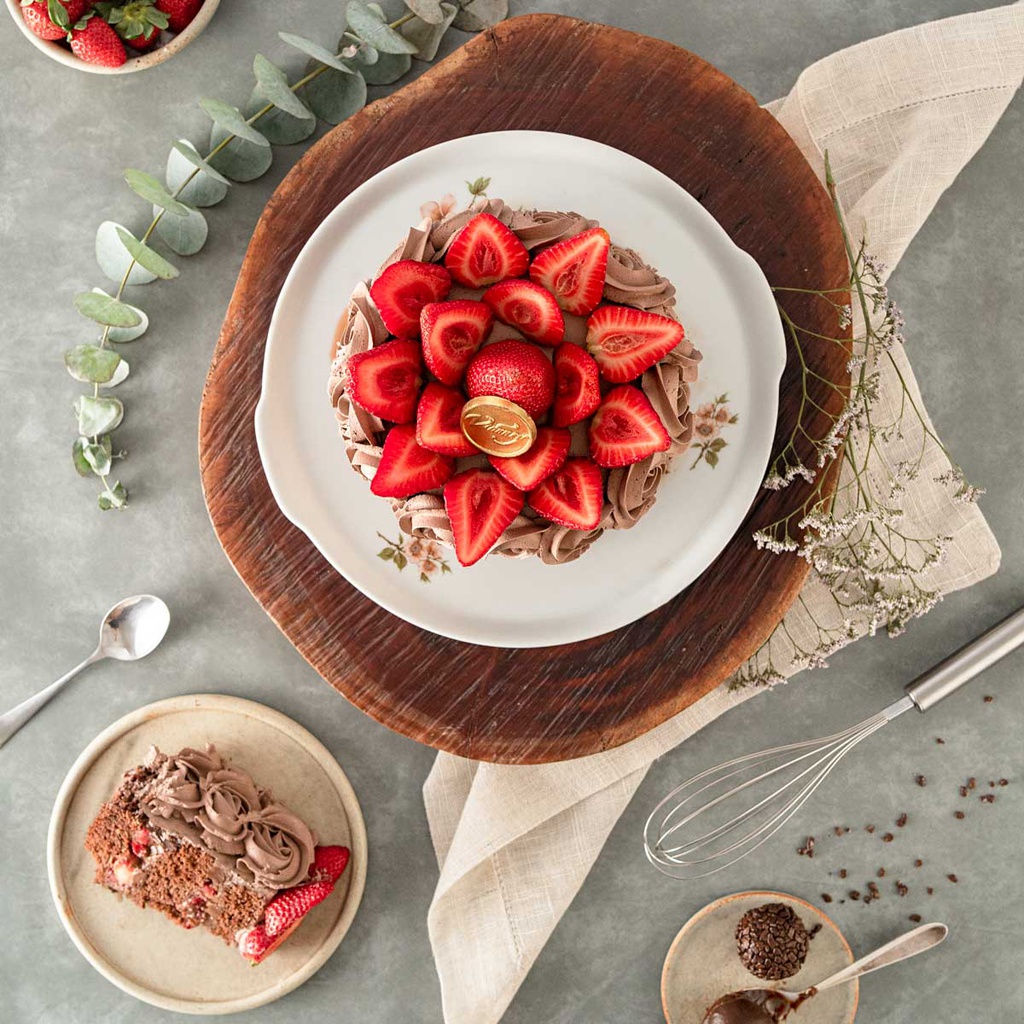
141, 951
702, 964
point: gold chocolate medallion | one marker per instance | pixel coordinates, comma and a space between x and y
497, 426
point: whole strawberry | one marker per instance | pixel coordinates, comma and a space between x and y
95, 42
52, 19
179, 12
137, 22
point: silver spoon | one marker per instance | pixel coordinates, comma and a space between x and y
777, 1004
131, 630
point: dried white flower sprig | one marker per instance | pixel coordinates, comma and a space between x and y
869, 568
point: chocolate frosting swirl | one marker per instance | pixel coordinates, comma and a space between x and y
631, 491
200, 798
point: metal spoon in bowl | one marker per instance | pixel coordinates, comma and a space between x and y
765, 1005
131, 630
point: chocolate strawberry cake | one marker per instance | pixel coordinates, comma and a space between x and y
513, 382
196, 838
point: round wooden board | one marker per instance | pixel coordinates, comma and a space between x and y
673, 110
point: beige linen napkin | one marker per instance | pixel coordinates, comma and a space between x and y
900, 116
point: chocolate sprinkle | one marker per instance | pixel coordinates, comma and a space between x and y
842, 872
881, 872
814, 931
854, 894
939, 739
988, 698
988, 798
920, 780
901, 820
888, 837
918, 863
953, 879
959, 815
1004, 782
772, 941
902, 889
825, 898
916, 918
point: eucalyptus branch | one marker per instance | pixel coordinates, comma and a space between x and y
371, 51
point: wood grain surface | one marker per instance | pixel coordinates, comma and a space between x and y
679, 114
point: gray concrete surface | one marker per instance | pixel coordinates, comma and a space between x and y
66, 138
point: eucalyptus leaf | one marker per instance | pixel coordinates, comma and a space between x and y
368, 25
99, 306
97, 455
146, 186
78, 456
378, 10
427, 10
428, 35
124, 334
183, 235
334, 96
240, 160
389, 68
273, 83
115, 497
147, 257
207, 188
120, 375
316, 51
98, 415
366, 54
91, 364
230, 119
280, 128
114, 259
478, 15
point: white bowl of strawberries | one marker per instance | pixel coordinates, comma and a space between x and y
111, 37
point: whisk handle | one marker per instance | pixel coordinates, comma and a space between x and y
971, 660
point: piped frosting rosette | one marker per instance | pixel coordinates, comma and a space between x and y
630, 491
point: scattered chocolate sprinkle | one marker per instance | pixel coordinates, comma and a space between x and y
939, 739
867, 900
854, 894
1004, 782
869, 828
972, 783
901, 820
916, 918
953, 879
825, 898
888, 837
842, 872
920, 780
881, 872
963, 791
959, 815
841, 830
902, 889
918, 863
814, 931
991, 783
876, 893
931, 891
988, 698
807, 850
772, 941
988, 798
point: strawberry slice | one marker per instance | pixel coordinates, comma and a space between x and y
438, 426
573, 270
625, 429
573, 497
386, 380
406, 468
329, 863
577, 389
403, 289
547, 454
288, 906
256, 945
481, 505
626, 341
452, 333
529, 308
485, 251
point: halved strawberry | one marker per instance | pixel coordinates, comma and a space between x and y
573, 270
438, 425
516, 370
403, 289
547, 454
485, 251
386, 380
329, 863
529, 308
256, 945
626, 341
625, 429
481, 505
577, 389
452, 332
573, 497
288, 906
140, 842
406, 468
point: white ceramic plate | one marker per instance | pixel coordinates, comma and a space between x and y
142, 952
723, 300
702, 964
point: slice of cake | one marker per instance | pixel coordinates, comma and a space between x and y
195, 837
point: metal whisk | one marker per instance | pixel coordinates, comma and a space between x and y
696, 830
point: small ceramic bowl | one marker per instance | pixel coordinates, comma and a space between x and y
64, 56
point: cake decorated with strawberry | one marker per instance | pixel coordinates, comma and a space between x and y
513, 382
193, 836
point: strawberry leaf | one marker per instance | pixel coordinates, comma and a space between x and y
57, 14
230, 119
105, 310
368, 25
316, 51
147, 257
146, 186
91, 364
273, 83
